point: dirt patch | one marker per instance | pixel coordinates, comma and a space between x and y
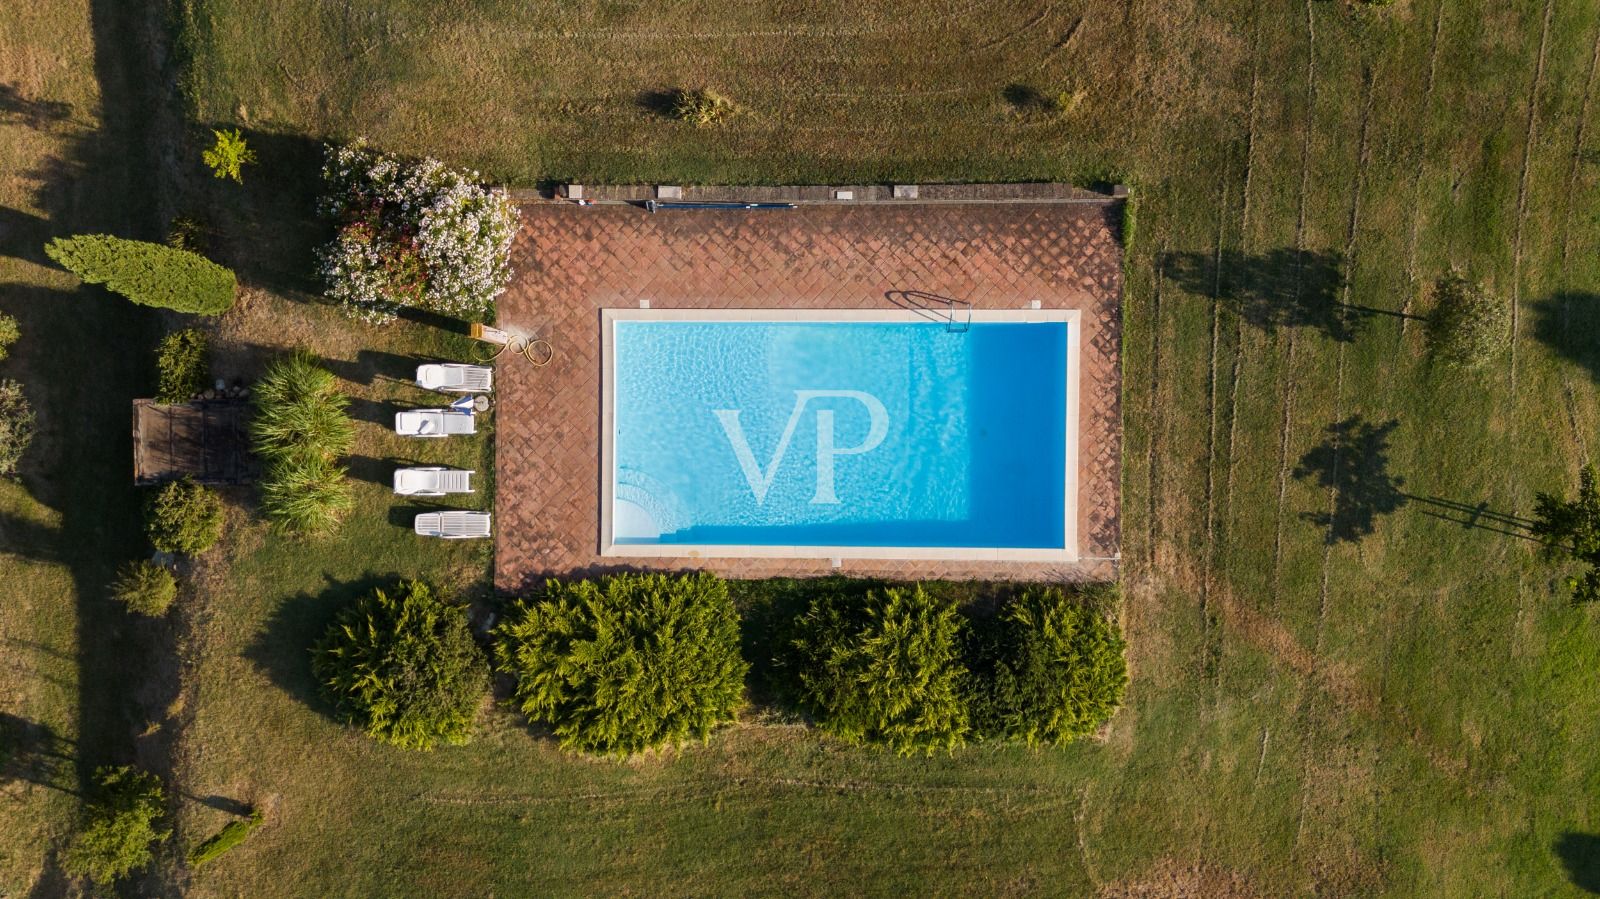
1173, 879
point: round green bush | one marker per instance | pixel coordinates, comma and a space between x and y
146, 588
1467, 327
183, 365
884, 669
402, 664
183, 517
120, 824
1057, 671
636, 662
9, 332
16, 426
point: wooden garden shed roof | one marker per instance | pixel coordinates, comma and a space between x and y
206, 440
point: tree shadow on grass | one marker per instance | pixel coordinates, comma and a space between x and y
35, 114
1568, 323
268, 229
1281, 288
33, 752
1353, 460
1580, 855
282, 648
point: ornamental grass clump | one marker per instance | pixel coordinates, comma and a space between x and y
301, 429
1468, 327
632, 663
412, 233
402, 665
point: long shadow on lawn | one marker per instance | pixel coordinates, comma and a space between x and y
1568, 323
269, 227
1281, 288
33, 752
1353, 460
282, 649
1580, 855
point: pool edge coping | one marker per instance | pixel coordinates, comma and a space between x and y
609, 316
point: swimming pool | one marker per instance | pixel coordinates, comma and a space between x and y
846, 434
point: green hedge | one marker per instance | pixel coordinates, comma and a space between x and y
634, 662
17, 426
402, 664
147, 273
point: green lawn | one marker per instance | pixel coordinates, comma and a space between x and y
1313, 707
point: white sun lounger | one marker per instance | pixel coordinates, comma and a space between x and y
453, 525
431, 481
456, 377
433, 423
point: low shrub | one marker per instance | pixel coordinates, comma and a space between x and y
187, 232
121, 822
412, 233
632, 663
145, 588
16, 426
147, 273
701, 107
1025, 101
403, 666
232, 834
183, 517
183, 365
229, 155
9, 332
885, 669
1467, 326
301, 428
1053, 669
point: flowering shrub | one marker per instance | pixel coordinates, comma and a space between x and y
412, 233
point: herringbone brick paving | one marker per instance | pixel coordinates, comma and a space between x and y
573, 261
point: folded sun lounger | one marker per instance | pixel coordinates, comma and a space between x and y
431, 481
455, 377
433, 423
452, 525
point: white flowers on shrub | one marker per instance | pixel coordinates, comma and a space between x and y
413, 234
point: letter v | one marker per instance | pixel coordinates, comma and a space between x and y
759, 480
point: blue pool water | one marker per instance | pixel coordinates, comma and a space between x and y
839, 434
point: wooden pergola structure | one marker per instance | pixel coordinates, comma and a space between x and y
206, 440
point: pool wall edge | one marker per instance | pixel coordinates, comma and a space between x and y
1068, 552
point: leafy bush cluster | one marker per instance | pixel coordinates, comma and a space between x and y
16, 426
229, 155
183, 365
635, 662
300, 431
9, 332
701, 107
1571, 529
147, 273
232, 834
188, 232
403, 665
146, 588
412, 233
1467, 327
183, 517
120, 824
901, 668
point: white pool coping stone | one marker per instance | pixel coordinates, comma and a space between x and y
608, 547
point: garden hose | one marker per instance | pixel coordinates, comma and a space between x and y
525, 346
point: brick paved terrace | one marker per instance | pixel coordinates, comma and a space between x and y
573, 261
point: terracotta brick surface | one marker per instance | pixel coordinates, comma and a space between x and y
573, 261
